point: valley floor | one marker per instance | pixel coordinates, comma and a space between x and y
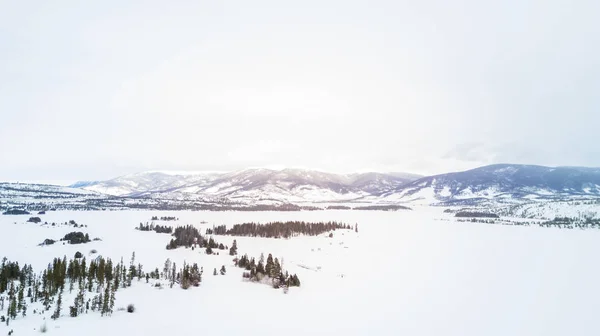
403, 273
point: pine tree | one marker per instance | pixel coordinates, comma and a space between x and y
106, 301
215, 272
112, 301
223, 270
260, 268
12, 308
80, 299
233, 249
276, 269
269, 266
56, 314
20, 300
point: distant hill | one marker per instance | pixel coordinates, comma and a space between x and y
253, 185
501, 182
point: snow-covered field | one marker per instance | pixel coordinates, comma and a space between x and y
404, 273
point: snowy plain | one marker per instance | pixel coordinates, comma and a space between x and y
404, 273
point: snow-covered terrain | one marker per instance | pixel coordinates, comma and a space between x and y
403, 273
550, 210
252, 186
490, 186
502, 183
497, 184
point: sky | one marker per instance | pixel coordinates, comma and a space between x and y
94, 90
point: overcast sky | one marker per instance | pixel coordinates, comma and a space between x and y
93, 91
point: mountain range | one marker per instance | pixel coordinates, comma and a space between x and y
252, 185
501, 183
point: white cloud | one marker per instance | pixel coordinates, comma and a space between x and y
89, 92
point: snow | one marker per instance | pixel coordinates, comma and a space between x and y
405, 273
445, 192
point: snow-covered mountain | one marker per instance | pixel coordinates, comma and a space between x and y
43, 196
504, 183
501, 182
252, 185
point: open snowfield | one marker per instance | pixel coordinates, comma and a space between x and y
404, 273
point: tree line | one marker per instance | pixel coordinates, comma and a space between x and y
155, 228
278, 229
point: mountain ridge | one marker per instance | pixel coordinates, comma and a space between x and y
502, 181
252, 185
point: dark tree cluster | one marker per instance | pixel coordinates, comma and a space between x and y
164, 218
280, 229
338, 207
188, 236
155, 228
48, 241
382, 207
271, 269
475, 214
100, 277
34, 220
16, 212
76, 238
189, 275
572, 223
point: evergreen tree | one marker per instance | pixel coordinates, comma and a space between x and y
223, 270
12, 308
112, 301
260, 268
56, 314
233, 249
106, 301
269, 266
20, 300
276, 270
215, 272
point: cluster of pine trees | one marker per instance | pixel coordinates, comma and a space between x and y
155, 228
100, 277
95, 283
76, 238
272, 269
212, 244
189, 275
164, 218
476, 214
188, 236
279, 229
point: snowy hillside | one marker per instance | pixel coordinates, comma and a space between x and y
502, 184
252, 186
19, 194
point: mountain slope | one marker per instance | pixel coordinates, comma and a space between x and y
252, 185
501, 181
